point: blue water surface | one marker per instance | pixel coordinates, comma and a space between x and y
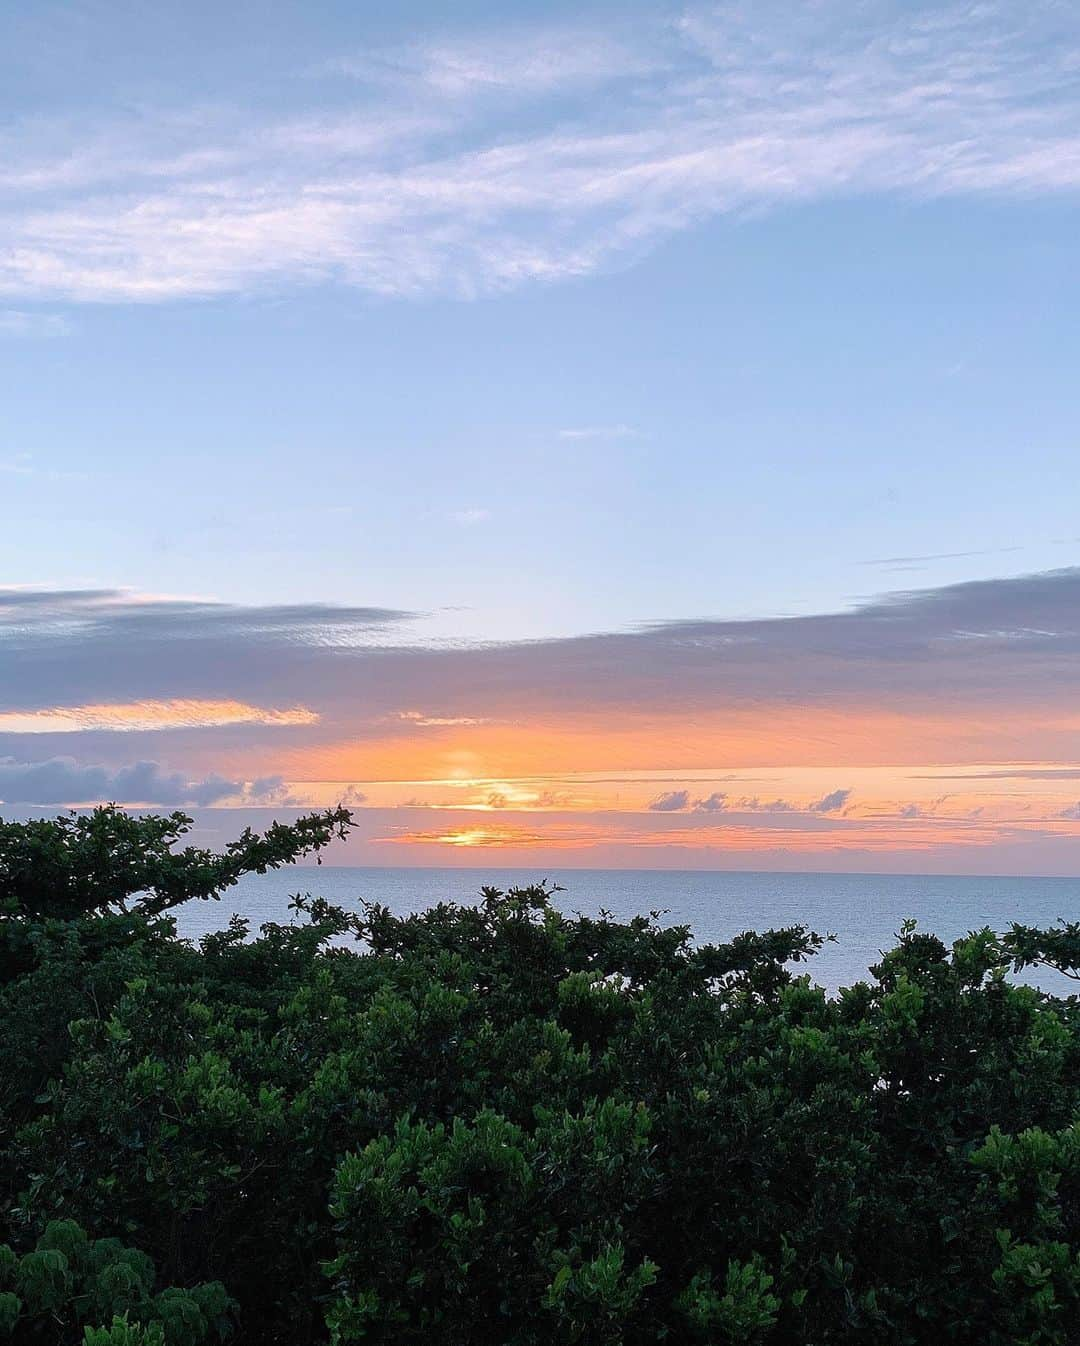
864, 911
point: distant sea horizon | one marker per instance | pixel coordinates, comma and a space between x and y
535, 873
864, 910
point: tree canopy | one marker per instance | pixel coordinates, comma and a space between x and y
507, 1125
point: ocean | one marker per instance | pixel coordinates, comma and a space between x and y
863, 910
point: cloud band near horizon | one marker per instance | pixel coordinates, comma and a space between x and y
940, 718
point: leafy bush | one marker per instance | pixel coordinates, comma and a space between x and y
507, 1126
69, 1280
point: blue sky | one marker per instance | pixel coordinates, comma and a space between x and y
535, 321
783, 370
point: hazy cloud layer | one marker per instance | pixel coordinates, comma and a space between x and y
537, 152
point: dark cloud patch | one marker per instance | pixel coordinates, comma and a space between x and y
671, 801
63, 647
755, 805
678, 801
62, 780
270, 790
831, 803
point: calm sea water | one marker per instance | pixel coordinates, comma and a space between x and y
863, 910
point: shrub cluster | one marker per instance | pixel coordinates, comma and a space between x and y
506, 1126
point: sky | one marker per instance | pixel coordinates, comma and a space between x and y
590, 435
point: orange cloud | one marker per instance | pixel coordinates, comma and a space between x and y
436, 721
734, 838
474, 836
129, 716
738, 738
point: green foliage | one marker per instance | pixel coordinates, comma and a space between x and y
430, 1221
510, 1127
123, 1333
68, 1282
743, 1311
92, 862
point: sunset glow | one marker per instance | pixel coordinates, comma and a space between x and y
650, 749
559, 436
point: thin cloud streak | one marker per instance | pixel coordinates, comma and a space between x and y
733, 837
146, 716
939, 556
599, 432
91, 614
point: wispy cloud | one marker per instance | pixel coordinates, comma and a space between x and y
418, 717
598, 432
416, 186
466, 518
527, 59
25, 465
19, 466
938, 556
26, 323
94, 612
